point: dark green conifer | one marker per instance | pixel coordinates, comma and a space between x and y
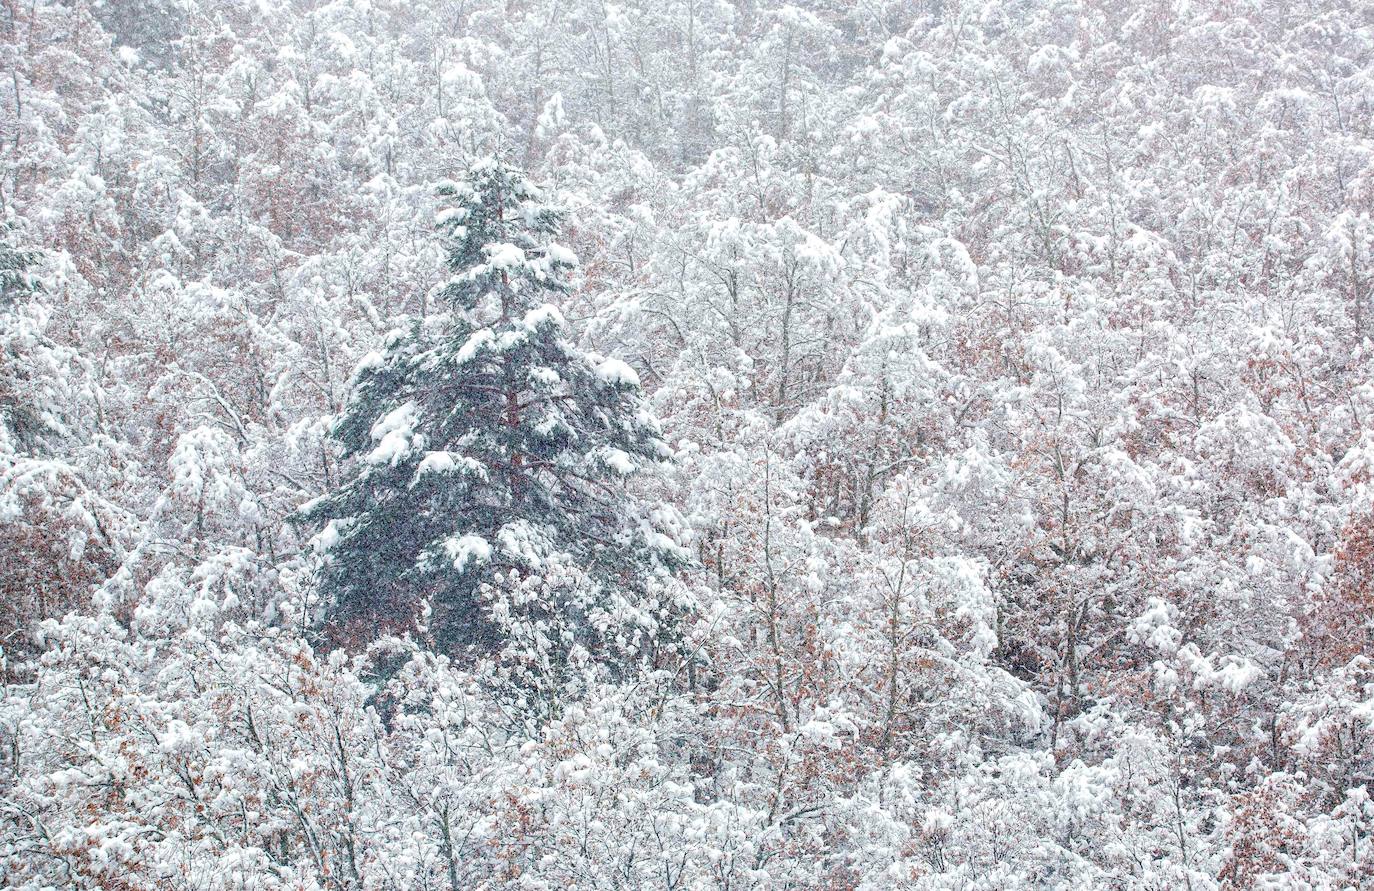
488, 458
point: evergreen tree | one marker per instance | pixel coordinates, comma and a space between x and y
23, 422
16, 278
487, 498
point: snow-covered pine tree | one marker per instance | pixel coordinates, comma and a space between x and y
489, 455
16, 280
22, 423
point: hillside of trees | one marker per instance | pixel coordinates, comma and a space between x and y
686, 444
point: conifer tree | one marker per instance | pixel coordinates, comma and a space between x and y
23, 423
489, 456
16, 279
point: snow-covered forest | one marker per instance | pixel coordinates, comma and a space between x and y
686, 444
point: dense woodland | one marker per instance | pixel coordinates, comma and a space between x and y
686, 444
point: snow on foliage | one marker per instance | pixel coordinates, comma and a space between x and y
686, 445
616, 373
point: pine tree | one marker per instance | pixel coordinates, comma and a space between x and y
16, 278
487, 500
23, 423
